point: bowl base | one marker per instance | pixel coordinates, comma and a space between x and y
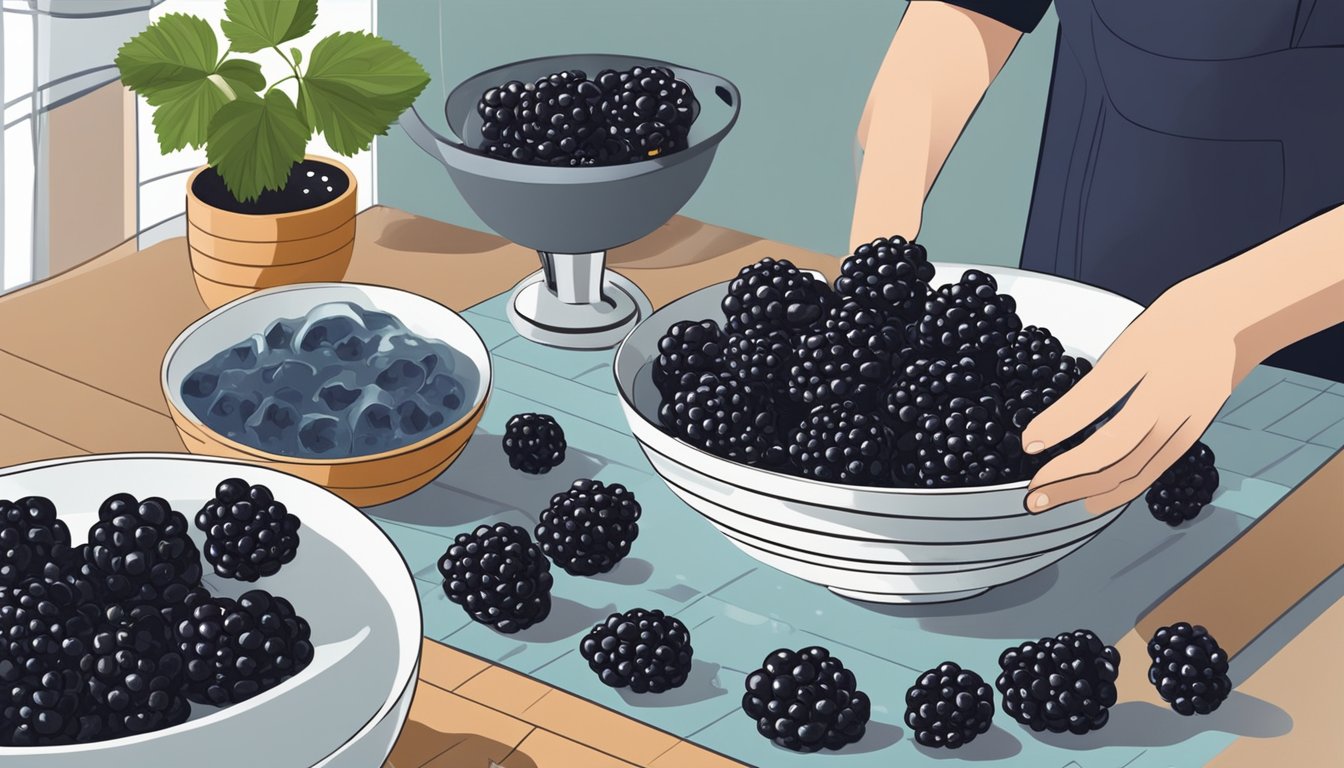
538, 314
911, 599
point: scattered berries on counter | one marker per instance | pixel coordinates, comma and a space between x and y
236, 649
1065, 683
968, 316
725, 417
775, 295
1185, 488
806, 700
31, 536
645, 651
534, 443
135, 672
949, 706
687, 350
499, 576
888, 275
589, 528
849, 356
248, 533
1189, 669
141, 552
838, 443
968, 442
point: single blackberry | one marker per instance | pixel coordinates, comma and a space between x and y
135, 672
759, 356
30, 537
498, 576
1185, 488
248, 534
141, 552
850, 356
968, 442
726, 418
589, 528
688, 349
949, 706
1034, 358
888, 275
534, 443
648, 109
838, 443
236, 649
1189, 669
775, 295
968, 316
1065, 683
925, 385
550, 121
645, 651
806, 701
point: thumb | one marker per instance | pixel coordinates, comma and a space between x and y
1086, 402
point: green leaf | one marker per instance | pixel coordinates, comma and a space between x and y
254, 142
256, 24
298, 56
182, 120
171, 57
356, 86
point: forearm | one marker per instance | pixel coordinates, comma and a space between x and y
941, 61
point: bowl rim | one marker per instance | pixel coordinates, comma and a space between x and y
763, 475
484, 387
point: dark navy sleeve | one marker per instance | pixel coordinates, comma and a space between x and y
1022, 15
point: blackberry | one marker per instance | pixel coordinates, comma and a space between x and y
236, 649
1065, 683
645, 651
759, 356
968, 442
534, 443
688, 349
924, 385
888, 275
1185, 488
30, 537
806, 701
647, 109
248, 533
725, 417
141, 552
968, 316
850, 356
1034, 358
498, 576
949, 706
838, 443
550, 121
1189, 669
589, 528
135, 672
775, 295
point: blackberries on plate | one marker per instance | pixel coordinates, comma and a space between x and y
534, 443
498, 576
30, 537
725, 417
135, 672
775, 295
949, 706
841, 443
589, 528
1059, 684
141, 552
236, 649
248, 533
1189, 669
806, 700
1185, 488
645, 651
888, 275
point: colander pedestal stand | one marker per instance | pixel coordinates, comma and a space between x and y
574, 302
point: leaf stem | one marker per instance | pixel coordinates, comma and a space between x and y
296, 76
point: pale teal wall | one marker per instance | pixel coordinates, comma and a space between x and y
804, 68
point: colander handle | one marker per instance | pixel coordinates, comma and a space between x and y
424, 137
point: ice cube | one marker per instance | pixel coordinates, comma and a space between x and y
200, 384
377, 321
355, 347
295, 374
321, 435
399, 377
445, 394
229, 412
328, 325
242, 356
274, 426
337, 397
374, 429
279, 334
413, 418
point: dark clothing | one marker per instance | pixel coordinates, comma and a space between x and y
1022, 15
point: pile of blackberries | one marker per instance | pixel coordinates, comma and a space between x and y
566, 119
116, 636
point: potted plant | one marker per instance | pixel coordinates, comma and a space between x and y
262, 212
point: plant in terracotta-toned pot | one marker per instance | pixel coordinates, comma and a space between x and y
264, 213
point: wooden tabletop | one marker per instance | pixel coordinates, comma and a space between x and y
79, 366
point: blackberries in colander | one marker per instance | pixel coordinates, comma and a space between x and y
498, 576
1185, 488
688, 349
248, 533
949, 706
775, 295
30, 537
968, 442
648, 109
888, 275
725, 417
135, 673
1189, 669
850, 356
1059, 684
645, 651
839, 443
968, 316
759, 356
534, 443
141, 552
552, 120
589, 528
236, 649
806, 700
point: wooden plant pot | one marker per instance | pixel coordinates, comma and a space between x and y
234, 254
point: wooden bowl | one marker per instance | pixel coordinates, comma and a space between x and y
361, 480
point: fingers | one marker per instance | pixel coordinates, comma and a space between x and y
1129, 490
1110, 445
1070, 478
1091, 397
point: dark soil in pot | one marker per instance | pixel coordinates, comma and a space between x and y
312, 183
